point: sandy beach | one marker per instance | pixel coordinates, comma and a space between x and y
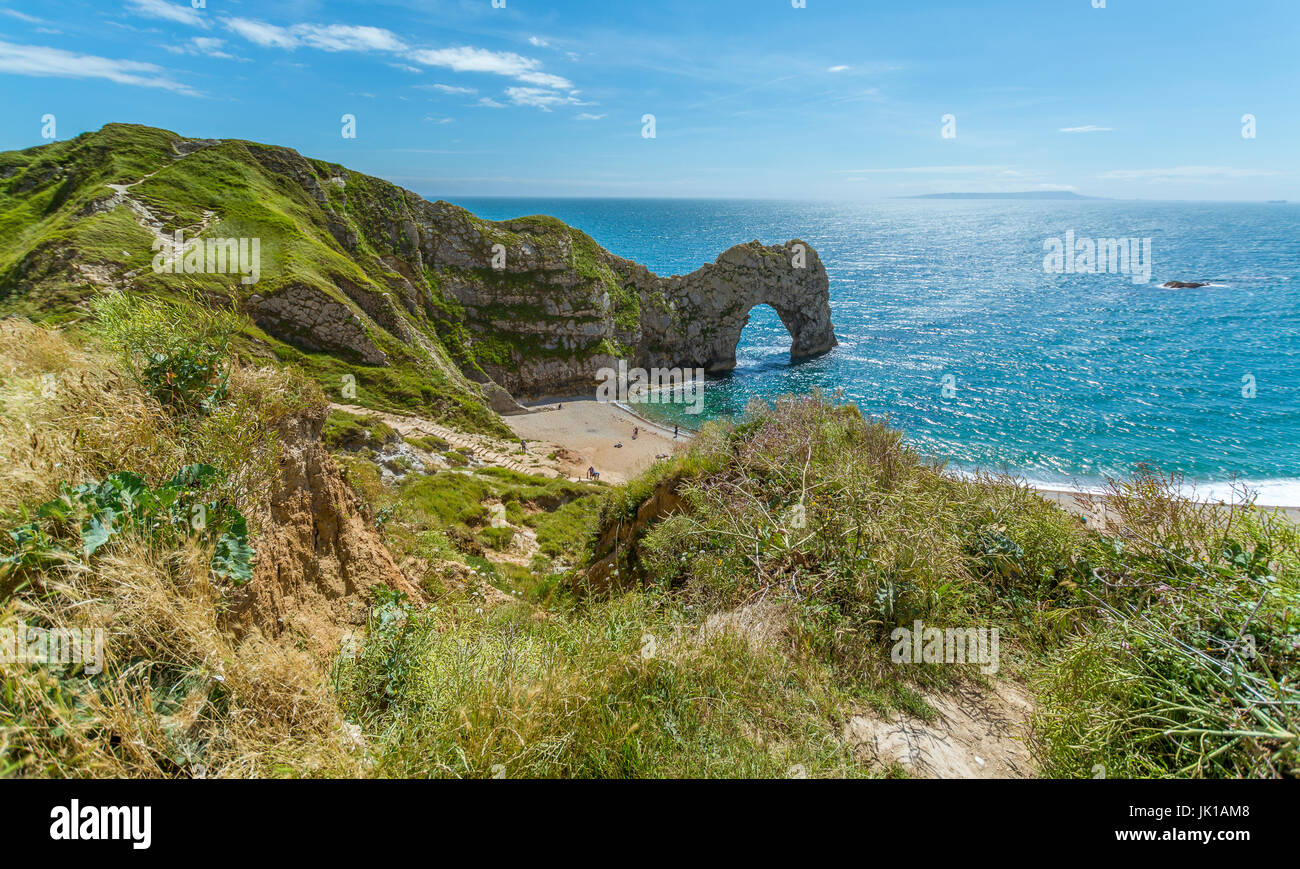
583, 432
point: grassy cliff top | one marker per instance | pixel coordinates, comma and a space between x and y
84, 215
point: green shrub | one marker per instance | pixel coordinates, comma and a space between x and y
1169, 645
95, 513
347, 431
497, 538
178, 351
430, 444
1188, 661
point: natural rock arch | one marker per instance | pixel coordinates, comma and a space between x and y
709, 308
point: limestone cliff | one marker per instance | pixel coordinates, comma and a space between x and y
421, 305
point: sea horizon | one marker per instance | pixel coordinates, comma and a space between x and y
457, 198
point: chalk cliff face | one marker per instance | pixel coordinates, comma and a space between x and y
424, 305
547, 308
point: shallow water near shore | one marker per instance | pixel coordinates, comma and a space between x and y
950, 327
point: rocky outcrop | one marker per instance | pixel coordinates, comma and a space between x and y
310, 319
708, 309
547, 308
1183, 285
317, 556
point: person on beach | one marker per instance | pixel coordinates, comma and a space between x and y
636, 430
591, 473
674, 432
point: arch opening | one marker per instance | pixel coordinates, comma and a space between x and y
771, 331
764, 340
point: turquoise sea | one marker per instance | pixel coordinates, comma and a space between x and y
1063, 379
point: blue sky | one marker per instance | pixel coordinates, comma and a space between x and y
751, 98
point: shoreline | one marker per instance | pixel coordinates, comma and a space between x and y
584, 432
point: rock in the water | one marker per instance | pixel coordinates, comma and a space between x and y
1183, 285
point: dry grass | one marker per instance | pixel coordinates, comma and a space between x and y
65, 415
177, 695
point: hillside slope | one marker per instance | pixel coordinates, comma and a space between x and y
428, 307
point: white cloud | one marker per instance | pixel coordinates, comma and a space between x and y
325, 37
343, 37
538, 42
434, 120
546, 80
261, 33
466, 58
540, 98
1090, 128
489, 103
165, 11
448, 89
205, 45
840, 68
21, 16
462, 59
36, 60
587, 116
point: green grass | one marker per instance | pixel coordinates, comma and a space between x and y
347, 431
343, 242
429, 444
1169, 649
464, 693
497, 538
566, 531
257, 192
447, 498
